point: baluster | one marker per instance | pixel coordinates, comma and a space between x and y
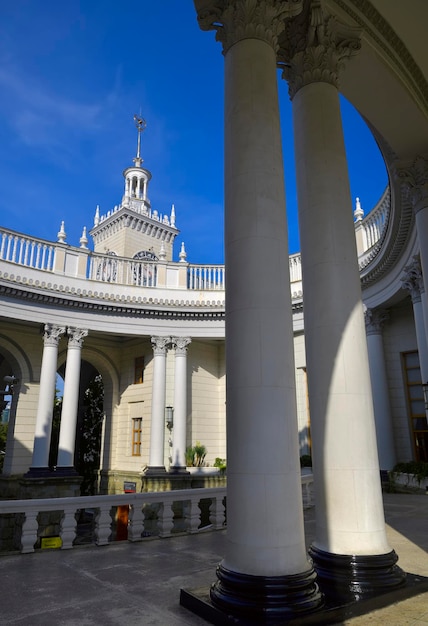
165, 519
21, 250
3, 243
103, 525
42, 263
67, 528
50, 256
193, 515
26, 247
135, 523
9, 241
15, 243
217, 516
37, 256
29, 532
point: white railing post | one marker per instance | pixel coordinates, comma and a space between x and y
29, 532
217, 516
165, 519
193, 515
135, 523
68, 528
103, 525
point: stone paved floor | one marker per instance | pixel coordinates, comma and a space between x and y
139, 584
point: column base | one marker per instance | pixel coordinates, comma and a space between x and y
347, 578
66, 471
39, 472
155, 470
178, 469
266, 598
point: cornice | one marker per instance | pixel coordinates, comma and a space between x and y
143, 308
363, 13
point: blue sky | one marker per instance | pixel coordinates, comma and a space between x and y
72, 75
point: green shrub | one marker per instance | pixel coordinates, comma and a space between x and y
306, 460
419, 469
195, 455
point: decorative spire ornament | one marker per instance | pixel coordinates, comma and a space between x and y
62, 234
141, 125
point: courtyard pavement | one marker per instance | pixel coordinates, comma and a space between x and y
139, 583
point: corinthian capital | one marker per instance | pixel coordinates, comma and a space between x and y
375, 320
180, 344
52, 334
315, 46
234, 20
414, 182
76, 337
160, 345
412, 279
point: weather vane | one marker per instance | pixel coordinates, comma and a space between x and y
141, 124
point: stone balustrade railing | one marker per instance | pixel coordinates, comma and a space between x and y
154, 514
62, 259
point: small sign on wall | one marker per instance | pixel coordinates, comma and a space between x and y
51, 542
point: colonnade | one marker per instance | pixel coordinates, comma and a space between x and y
44, 417
266, 573
67, 435
157, 434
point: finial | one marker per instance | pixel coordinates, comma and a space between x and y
97, 215
62, 234
162, 252
172, 219
83, 239
358, 213
183, 254
141, 124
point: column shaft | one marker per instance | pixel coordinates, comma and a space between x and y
157, 433
180, 404
262, 460
42, 437
67, 434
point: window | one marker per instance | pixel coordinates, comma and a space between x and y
416, 405
137, 423
139, 370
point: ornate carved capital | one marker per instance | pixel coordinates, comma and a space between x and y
160, 345
246, 19
314, 47
180, 344
412, 279
52, 334
76, 337
414, 182
375, 320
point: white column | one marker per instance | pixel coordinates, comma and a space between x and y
265, 535
350, 551
70, 402
157, 432
180, 404
42, 436
415, 182
412, 281
375, 321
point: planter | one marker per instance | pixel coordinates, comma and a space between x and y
203, 471
410, 480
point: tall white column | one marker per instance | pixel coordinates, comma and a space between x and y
350, 551
157, 432
42, 436
180, 404
266, 570
375, 320
70, 402
412, 281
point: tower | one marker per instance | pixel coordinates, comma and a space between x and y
133, 229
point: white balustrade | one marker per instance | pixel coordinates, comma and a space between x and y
29, 252
142, 507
